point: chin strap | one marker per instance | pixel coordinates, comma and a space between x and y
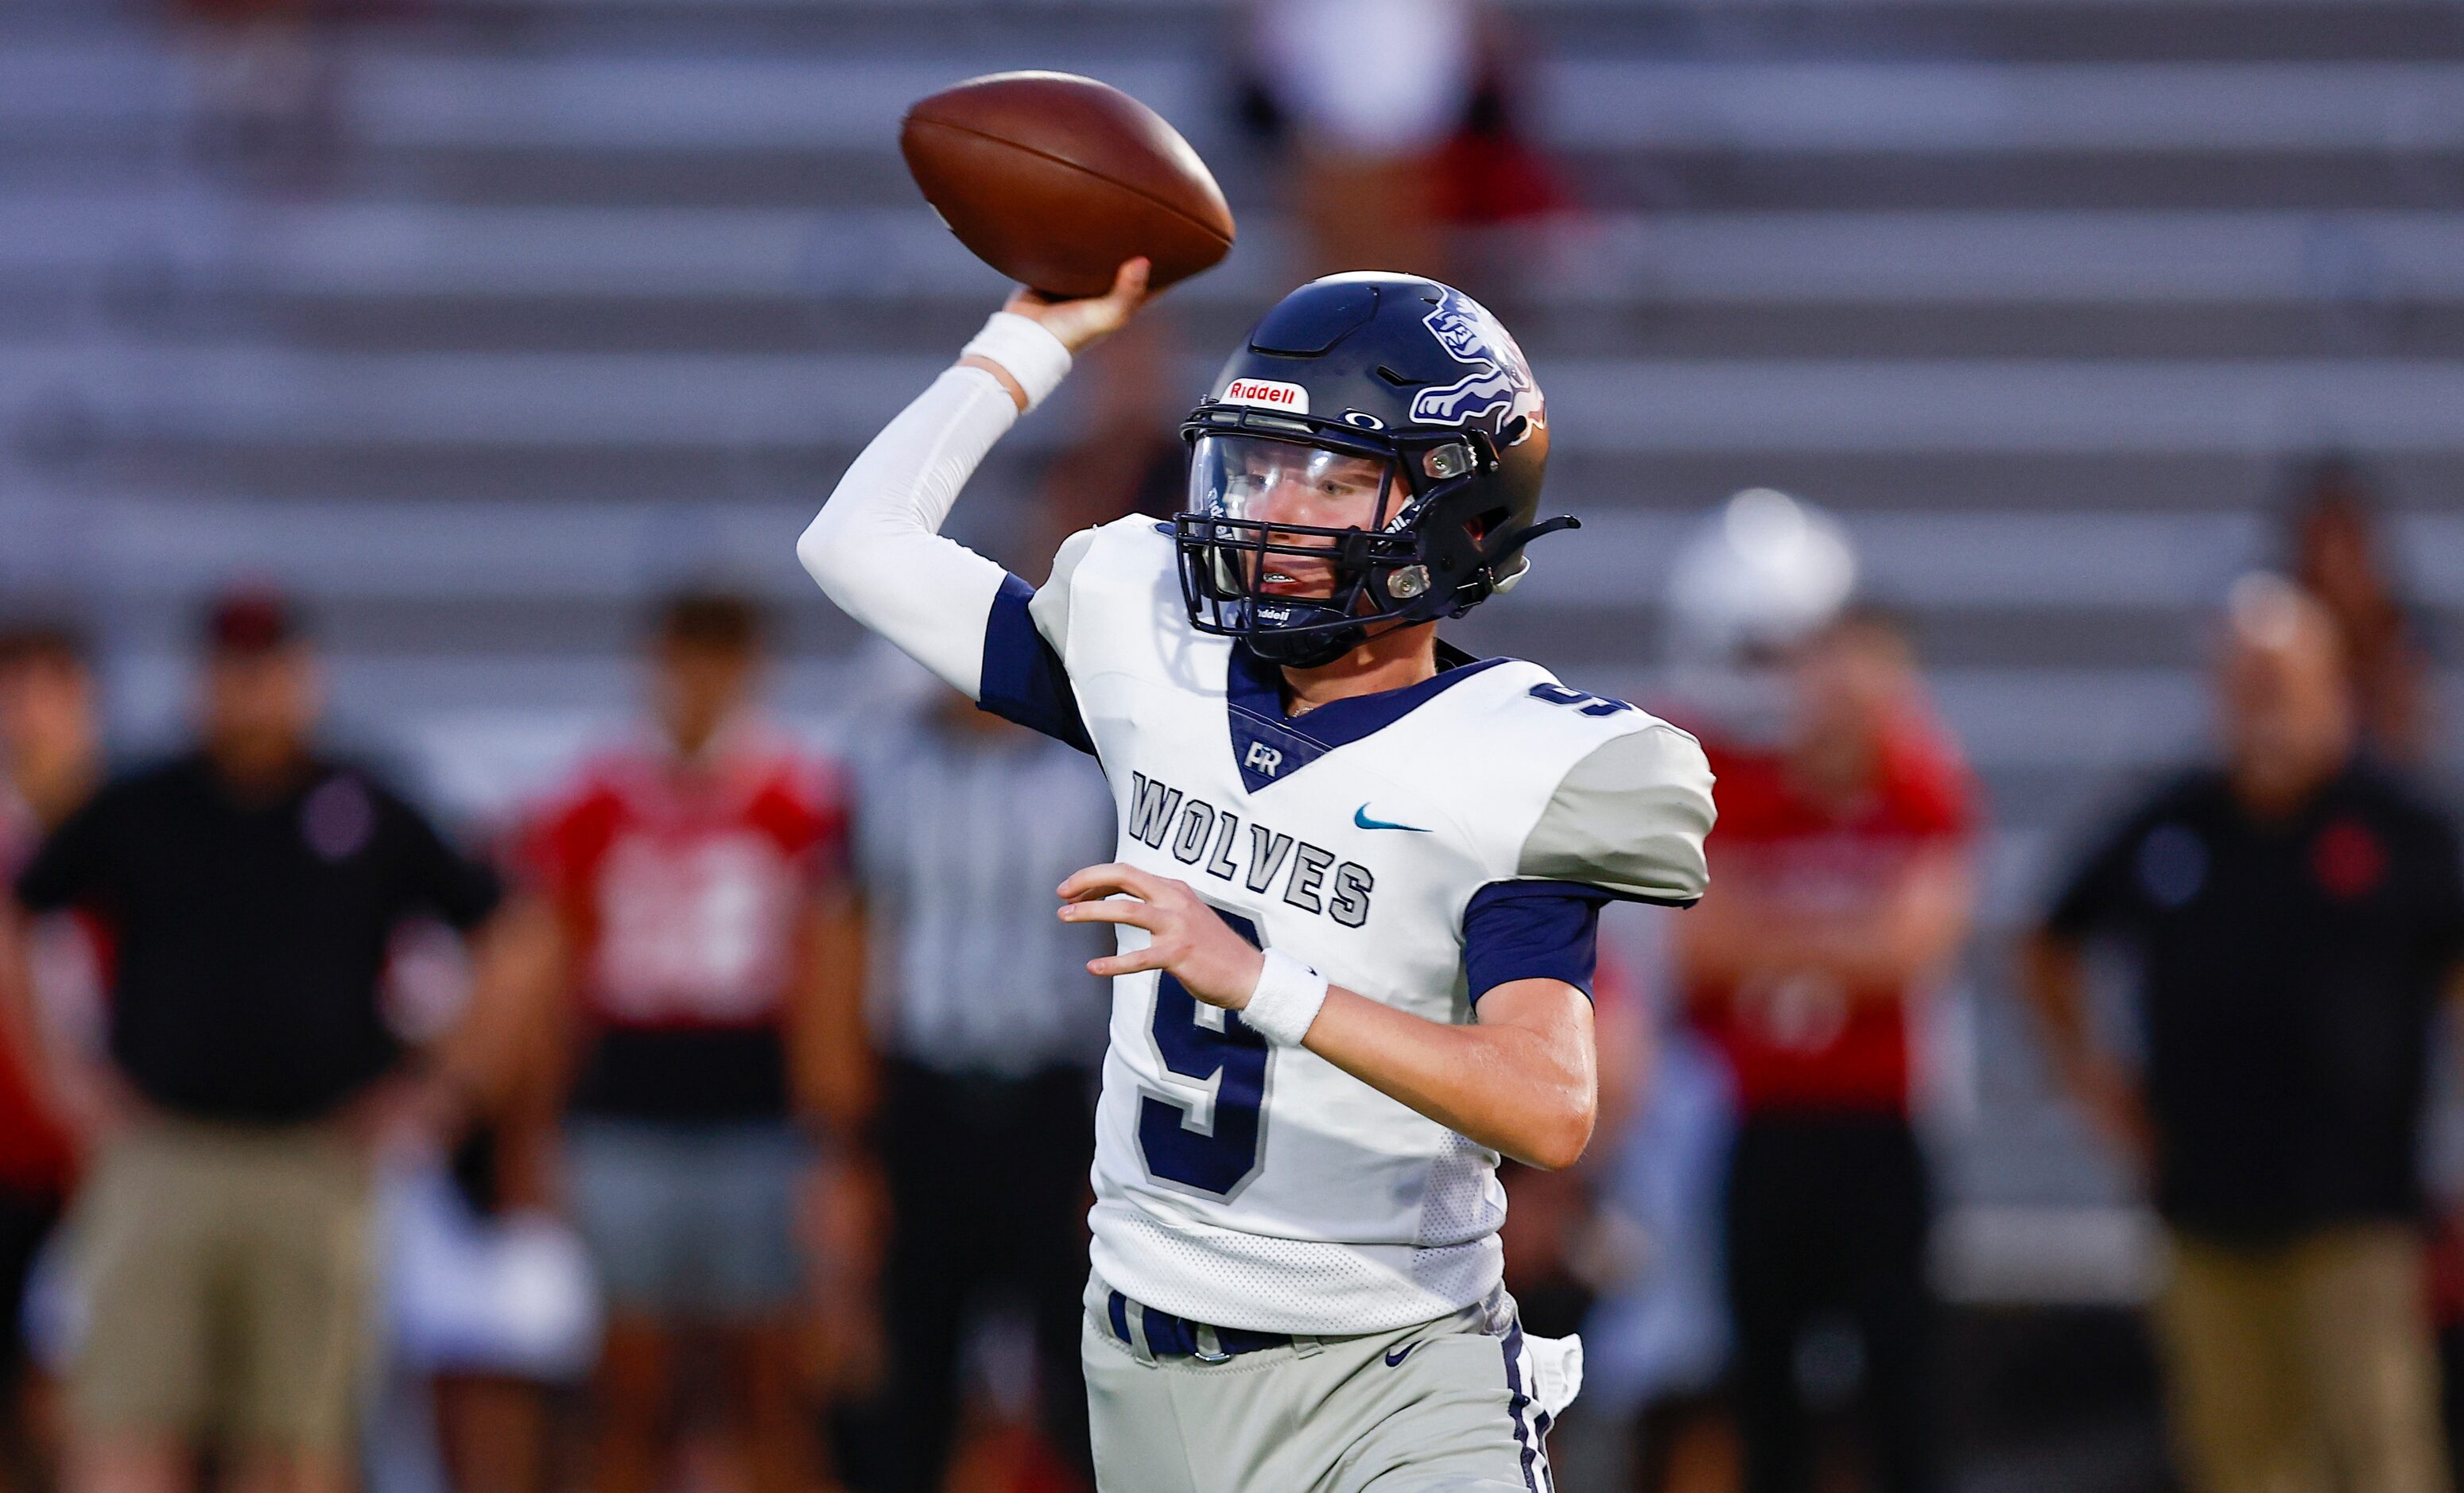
1308, 651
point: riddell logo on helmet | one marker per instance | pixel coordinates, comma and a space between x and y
1268, 393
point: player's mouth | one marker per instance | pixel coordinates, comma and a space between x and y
1309, 580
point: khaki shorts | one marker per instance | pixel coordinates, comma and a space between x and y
1459, 1405
2307, 1367
227, 1277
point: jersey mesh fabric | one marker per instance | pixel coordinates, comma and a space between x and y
1464, 1198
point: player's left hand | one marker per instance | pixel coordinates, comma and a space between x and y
1189, 939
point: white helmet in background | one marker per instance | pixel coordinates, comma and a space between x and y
1759, 576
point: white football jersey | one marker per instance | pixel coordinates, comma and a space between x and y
1252, 1186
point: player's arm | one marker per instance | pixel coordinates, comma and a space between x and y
2054, 983
831, 1053
22, 1036
505, 1030
72, 869
1524, 1080
1626, 821
876, 546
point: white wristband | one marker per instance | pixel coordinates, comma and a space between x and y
1286, 1001
1030, 354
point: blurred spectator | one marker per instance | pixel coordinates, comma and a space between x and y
1491, 171
261, 83
1840, 894
252, 888
2295, 913
2339, 559
49, 746
50, 759
492, 1306
993, 1030
1749, 586
1370, 93
708, 942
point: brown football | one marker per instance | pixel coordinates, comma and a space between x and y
1054, 179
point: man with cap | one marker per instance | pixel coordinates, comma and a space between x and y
2293, 912
252, 887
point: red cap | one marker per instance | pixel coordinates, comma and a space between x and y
250, 620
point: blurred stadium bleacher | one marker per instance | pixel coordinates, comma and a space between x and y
2044, 297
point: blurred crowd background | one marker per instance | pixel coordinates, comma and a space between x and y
507, 992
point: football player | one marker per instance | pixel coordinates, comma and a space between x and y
1358, 878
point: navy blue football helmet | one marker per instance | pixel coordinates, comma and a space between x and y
1394, 402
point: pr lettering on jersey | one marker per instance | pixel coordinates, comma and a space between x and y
1197, 833
1264, 759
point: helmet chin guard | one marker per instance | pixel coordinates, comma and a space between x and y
1371, 460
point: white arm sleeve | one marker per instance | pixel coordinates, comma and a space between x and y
876, 546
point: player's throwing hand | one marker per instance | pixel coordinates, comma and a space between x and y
1190, 939
1079, 324
1076, 325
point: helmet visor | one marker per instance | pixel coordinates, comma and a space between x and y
1281, 511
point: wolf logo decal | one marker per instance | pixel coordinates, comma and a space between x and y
1471, 336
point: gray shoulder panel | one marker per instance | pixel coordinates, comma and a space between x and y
1631, 818
1050, 608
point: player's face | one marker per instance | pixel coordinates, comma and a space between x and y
260, 707
695, 688
46, 709
2284, 696
1852, 680
1293, 490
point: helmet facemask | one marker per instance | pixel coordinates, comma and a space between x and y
1299, 549
1394, 370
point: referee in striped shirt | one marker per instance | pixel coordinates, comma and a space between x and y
992, 1034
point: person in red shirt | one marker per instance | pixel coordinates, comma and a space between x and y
1840, 892
711, 960
50, 761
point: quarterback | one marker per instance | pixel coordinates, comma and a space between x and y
1358, 884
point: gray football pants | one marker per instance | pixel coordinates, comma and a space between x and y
1459, 1405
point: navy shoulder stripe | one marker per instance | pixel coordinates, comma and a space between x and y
1023, 678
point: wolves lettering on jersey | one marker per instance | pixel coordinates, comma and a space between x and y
1200, 834
1254, 1186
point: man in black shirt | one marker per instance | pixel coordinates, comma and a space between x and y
250, 891
2297, 916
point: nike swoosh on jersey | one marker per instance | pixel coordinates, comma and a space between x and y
1394, 1356
1360, 817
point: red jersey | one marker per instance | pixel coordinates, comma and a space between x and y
682, 889
1803, 1042
34, 1155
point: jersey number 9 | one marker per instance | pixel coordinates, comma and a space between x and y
1219, 1159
